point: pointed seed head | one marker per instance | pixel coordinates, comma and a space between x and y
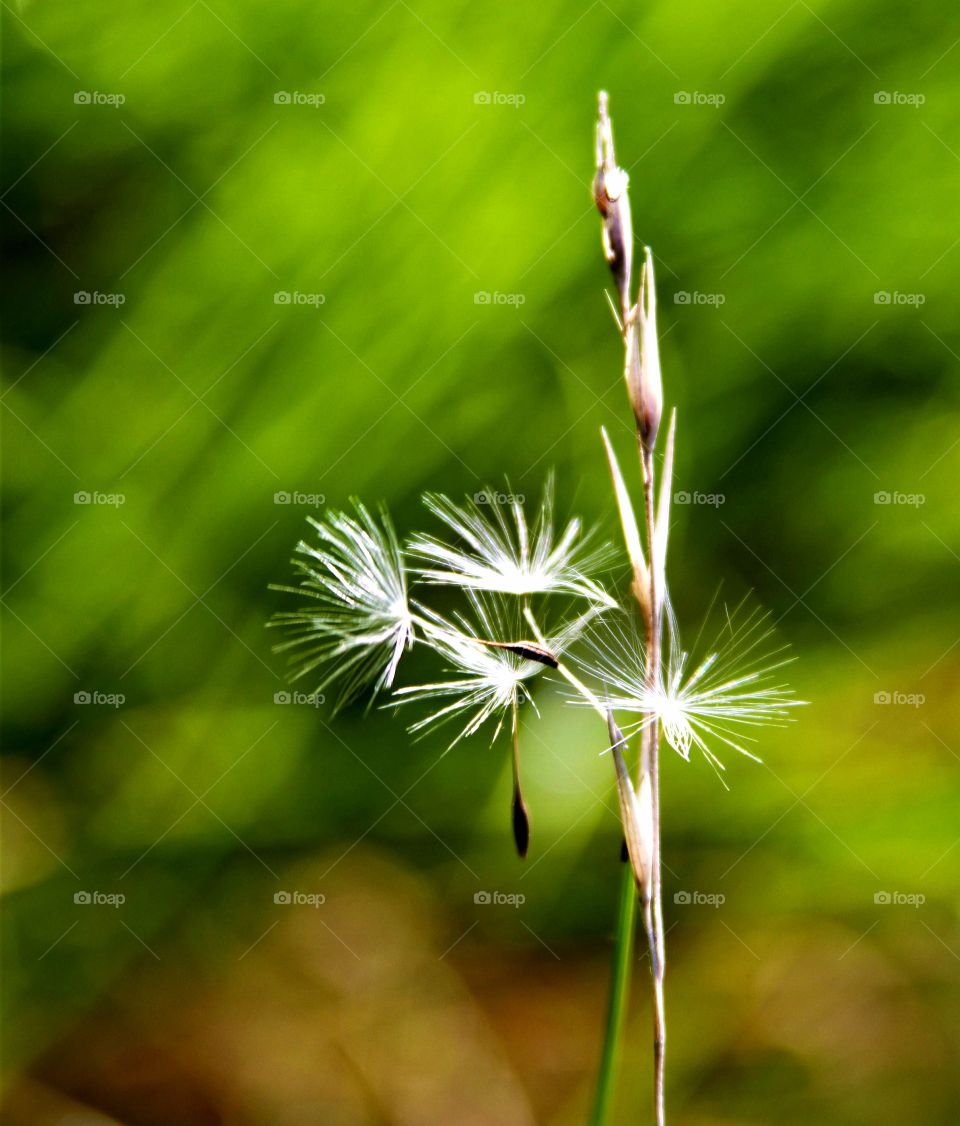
613, 203
644, 382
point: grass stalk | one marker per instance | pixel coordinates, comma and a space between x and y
637, 325
619, 999
650, 761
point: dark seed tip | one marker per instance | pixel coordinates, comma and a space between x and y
521, 826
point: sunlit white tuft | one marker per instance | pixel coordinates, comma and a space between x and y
358, 621
501, 552
490, 681
718, 700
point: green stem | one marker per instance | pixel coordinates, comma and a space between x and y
619, 997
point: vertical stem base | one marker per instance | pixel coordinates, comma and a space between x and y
619, 998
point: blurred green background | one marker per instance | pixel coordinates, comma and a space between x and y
383, 164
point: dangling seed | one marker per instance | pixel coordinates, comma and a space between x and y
521, 824
521, 819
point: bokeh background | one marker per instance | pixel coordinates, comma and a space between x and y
796, 167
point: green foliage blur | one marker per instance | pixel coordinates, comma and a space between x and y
796, 169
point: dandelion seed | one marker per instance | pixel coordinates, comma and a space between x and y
492, 676
503, 553
490, 680
717, 701
358, 622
